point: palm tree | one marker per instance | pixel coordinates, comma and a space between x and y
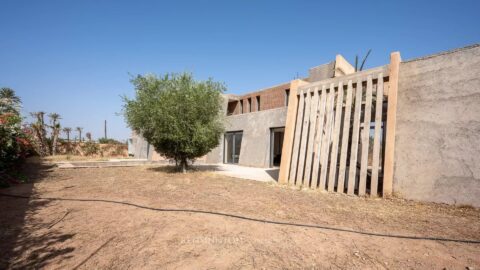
54, 117
89, 136
79, 130
40, 132
9, 93
363, 62
9, 101
67, 130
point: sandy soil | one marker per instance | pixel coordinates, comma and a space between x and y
120, 218
67, 158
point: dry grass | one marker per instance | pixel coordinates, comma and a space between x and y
59, 158
107, 233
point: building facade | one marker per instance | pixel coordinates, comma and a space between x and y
255, 121
431, 103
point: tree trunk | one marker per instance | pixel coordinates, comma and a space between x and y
184, 165
54, 143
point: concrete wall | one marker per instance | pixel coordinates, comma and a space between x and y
140, 147
255, 149
437, 144
321, 72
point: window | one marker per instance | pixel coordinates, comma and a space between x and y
258, 103
231, 107
241, 106
287, 97
249, 104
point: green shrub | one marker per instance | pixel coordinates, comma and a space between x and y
90, 148
109, 141
14, 142
180, 116
15, 146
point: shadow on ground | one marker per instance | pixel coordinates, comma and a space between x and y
273, 173
26, 242
192, 168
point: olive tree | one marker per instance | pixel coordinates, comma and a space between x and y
180, 116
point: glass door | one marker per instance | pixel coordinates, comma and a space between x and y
233, 143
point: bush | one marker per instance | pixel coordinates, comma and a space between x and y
109, 141
90, 148
119, 150
14, 146
14, 142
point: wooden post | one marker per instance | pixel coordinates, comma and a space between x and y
377, 136
311, 138
352, 174
365, 138
318, 137
325, 150
297, 137
304, 139
289, 131
336, 138
391, 124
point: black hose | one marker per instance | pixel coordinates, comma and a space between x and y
467, 241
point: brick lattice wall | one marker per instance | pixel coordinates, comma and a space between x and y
270, 98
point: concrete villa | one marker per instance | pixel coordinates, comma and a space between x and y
413, 109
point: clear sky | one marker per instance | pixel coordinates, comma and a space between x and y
75, 57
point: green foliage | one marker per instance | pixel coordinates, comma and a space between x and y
113, 149
90, 148
79, 130
179, 116
9, 101
119, 150
109, 141
14, 141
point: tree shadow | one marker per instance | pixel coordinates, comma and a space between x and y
26, 242
169, 169
172, 169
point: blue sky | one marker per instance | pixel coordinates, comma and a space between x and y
75, 57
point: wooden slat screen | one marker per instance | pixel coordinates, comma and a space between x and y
339, 130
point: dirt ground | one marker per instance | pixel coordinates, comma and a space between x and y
142, 218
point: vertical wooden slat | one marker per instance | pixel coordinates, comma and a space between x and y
391, 124
365, 138
289, 132
326, 137
336, 137
345, 138
377, 135
354, 149
318, 137
311, 138
296, 138
303, 142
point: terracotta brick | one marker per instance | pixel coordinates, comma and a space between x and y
270, 98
